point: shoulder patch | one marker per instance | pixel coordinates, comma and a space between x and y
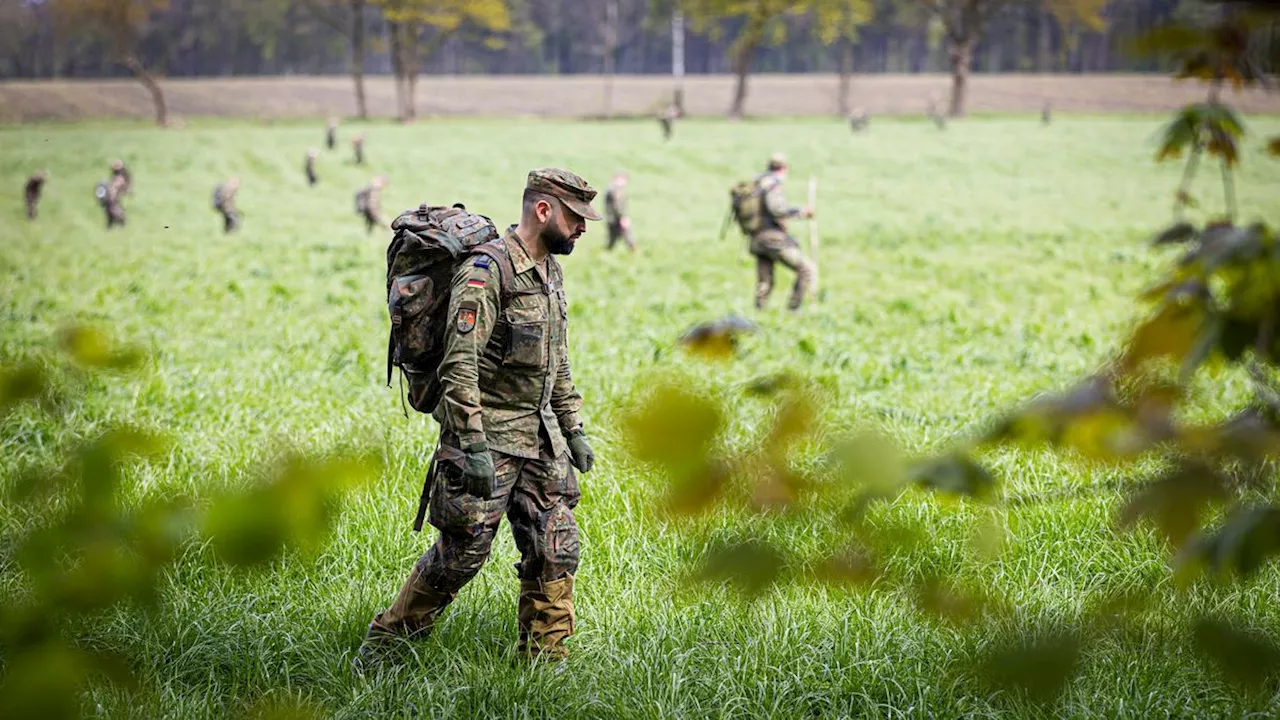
467, 316
482, 261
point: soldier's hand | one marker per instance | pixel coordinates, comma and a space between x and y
477, 470
580, 451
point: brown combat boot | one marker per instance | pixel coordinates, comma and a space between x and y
546, 617
413, 614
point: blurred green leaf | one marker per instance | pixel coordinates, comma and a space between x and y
91, 348
868, 460
1176, 502
674, 427
1180, 233
750, 567
955, 474
1273, 146
717, 340
694, 491
945, 601
22, 382
1245, 541
1245, 657
854, 567
1039, 665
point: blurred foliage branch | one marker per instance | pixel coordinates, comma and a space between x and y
81, 545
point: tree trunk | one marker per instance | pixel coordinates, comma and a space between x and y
677, 60
397, 67
152, 85
846, 71
610, 46
750, 39
1043, 42
961, 52
357, 57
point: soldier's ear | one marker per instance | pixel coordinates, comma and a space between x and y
543, 209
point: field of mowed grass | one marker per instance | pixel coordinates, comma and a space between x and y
962, 273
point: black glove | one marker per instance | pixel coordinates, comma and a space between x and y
477, 470
580, 450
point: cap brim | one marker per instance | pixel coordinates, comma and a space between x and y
582, 208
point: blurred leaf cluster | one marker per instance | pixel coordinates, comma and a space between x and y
90, 543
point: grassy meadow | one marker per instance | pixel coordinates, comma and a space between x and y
962, 272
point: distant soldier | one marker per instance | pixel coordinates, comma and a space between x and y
1046, 113
224, 201
331, 133
310, 168
936, 115
357, 143
615, 212
859, 120
668, 120
369, 203
35, 185
109, 194
762, 212
120, 176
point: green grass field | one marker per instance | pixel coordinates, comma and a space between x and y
962, 271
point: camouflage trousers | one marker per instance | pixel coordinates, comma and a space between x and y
115, 215
230, 221
32, 208
371, 220
538, 497
618, 232
770, 248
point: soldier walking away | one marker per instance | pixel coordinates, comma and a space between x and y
357, 143
668, 120
110, 194
120, 176
510, 434
936, 115
859, 120
761, 209
331, 133
1046, 113
224, 201
310, 168
35, 186
369, 203
615, 213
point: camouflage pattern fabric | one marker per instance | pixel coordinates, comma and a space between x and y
31, 193
615, 209
506, 377
310, 170
536, 494
772, 244
230, 217
372, 208
112, 203
572, 190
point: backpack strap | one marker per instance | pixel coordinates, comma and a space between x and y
496, 250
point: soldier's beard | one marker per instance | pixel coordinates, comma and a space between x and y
558, 243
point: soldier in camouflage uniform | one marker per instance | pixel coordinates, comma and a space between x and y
772, 244
310, 168
615, 212
331, 133
357, 145
225, 203
112, 195
31, 193
369, 203
510, 434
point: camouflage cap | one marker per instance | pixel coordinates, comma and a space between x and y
572, 190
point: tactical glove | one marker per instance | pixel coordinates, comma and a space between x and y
580, 450
477, 470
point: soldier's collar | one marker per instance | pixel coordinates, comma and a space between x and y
520, 259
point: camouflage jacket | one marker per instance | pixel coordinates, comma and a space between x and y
615, 204
505, 376
776, 207
228, 198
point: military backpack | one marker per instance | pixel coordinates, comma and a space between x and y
429, 244
746, 203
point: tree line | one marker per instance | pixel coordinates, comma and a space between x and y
405, 38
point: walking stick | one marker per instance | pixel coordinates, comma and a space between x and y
814, 241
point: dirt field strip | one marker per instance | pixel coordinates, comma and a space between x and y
583, 95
